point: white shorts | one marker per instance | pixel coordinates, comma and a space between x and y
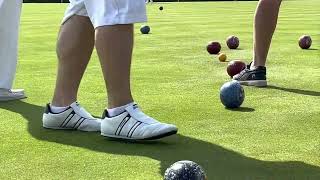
108, 12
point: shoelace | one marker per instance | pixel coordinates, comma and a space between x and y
244, 71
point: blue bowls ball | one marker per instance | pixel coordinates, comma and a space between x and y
145, 29
232, 94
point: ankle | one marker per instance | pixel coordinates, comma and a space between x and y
258, 62
257, 66
55, 109
118, 110
118, 102
61, 102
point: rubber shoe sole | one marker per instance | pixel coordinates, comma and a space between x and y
256, 83
149, 138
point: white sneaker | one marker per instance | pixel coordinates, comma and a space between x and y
11, 94
135, 125
73, 118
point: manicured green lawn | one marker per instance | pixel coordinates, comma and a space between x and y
276, 135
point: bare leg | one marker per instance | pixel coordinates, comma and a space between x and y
265, 23
114, 46
74, 49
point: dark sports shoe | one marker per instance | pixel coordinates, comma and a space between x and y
256, 77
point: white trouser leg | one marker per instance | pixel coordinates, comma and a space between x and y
9, 28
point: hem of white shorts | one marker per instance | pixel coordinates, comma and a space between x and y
66, 18
132, 19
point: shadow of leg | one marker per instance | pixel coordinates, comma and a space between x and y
296, 91
218, 162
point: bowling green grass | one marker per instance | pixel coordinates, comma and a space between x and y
275, 135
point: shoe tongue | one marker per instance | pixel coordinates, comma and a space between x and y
136, 113
249, 65
133, 108
80, 110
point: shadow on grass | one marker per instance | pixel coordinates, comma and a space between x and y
311, 49
297, 91
219, 163
241, 109
238, 49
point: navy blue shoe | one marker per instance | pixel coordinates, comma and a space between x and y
256, 77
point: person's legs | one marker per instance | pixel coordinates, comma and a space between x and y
265, 23
114, 44
74, 49
9, 30
264, 26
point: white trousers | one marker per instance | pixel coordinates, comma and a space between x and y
10, 11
